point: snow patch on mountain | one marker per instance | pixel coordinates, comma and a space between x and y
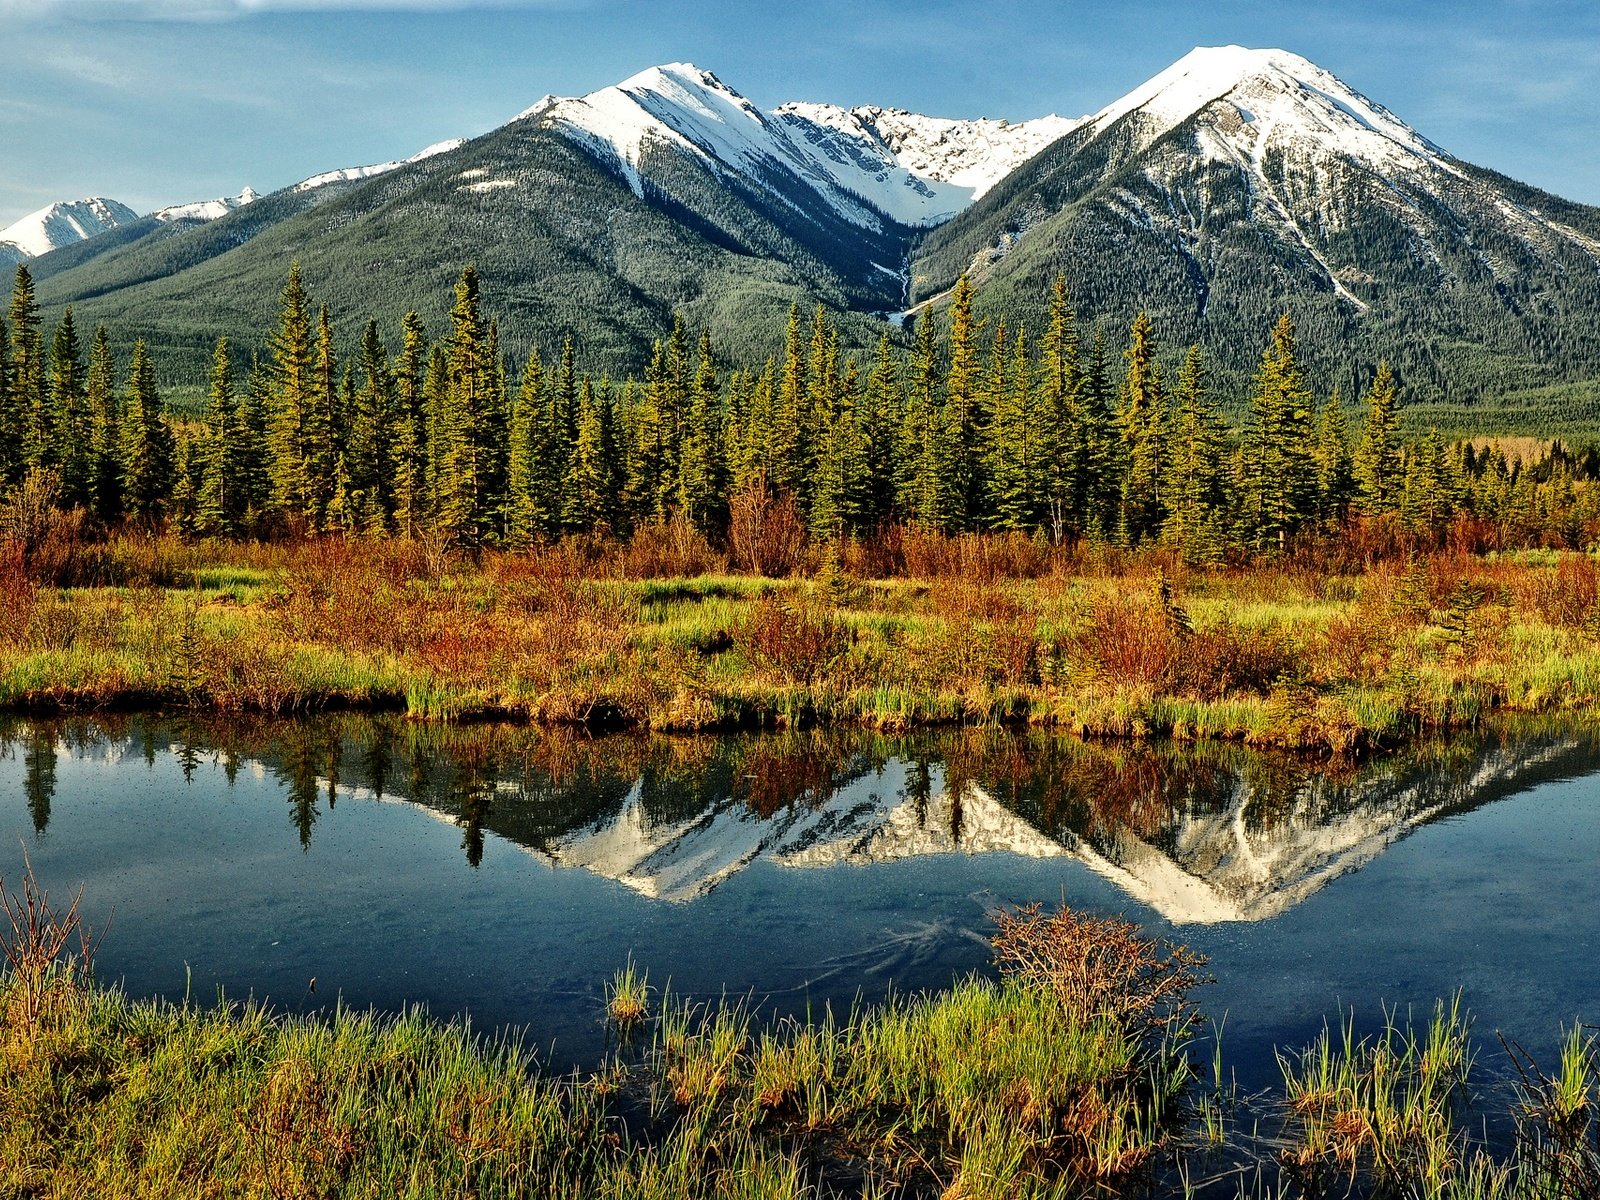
1273, 96
354, 174
867, 163
206, 210
61, 224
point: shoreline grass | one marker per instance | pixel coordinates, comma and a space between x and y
1071, 1074
1119, 646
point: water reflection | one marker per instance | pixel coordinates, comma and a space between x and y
1200, 833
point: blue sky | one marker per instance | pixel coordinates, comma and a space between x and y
161, 101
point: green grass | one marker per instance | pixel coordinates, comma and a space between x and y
991, 1088
1279, 656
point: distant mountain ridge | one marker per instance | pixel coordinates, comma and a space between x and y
1233, 186
60, 224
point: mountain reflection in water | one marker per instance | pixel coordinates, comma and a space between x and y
1201, 833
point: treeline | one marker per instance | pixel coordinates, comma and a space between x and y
973, 429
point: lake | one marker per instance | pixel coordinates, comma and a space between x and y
508, 873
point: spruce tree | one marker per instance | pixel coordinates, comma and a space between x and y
1058, 414
841, 501
460, 460
1103, 465
1142, 416
1193, 489
789, 453
28, 397
1376, 466
702, 482
407, 437
880, 417
918, 483
215, 458
68, 430
956, 476
369, 466
105, 437
1009, 452
146, 441
589, 490
293, 397
10, 416
527, 498
1335, 479
320, 429
1280, 480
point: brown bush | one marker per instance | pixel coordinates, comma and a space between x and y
670, 547
1568, 595
1358, 644
798, 643
1100, 966
1224, 660
17, 594
765, 533
1126, 641
983, 558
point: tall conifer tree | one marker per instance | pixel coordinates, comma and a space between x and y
1376, 466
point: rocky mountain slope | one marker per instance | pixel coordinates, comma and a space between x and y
1233, 186
1241, 183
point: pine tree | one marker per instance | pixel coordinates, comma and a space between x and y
1142, 416
1335, 480
69, 417
527, 499
702, 478
293, 398
28, 397
1193, 488
957, 477
1376, 466
1280, 481
147, 448
407, 436
105, 439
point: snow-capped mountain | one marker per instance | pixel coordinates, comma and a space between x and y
867, 163
1233, 186
1240, 182
60, 224
206, 210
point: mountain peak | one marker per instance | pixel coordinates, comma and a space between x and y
61, 224
1274, 90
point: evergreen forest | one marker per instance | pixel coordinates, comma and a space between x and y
1058, 433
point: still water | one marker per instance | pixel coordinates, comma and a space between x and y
507, 874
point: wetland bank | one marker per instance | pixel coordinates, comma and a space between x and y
754, 883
